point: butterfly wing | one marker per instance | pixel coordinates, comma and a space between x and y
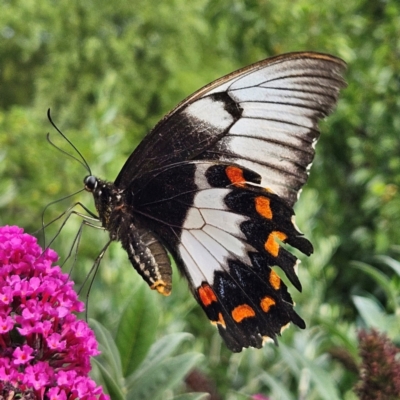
263, 117
216, 180
223, 230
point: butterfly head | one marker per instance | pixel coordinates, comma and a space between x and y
90, 183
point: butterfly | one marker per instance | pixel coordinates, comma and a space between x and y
214, 184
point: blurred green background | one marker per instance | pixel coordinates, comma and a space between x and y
109, 70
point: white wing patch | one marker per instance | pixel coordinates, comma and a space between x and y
278, 96
194, 219
276, 132
203, 254
230, 242
313, 84
211, 198
211, 235
289, 115
200, 175
226, 219
190, 251
210, 112
259, 151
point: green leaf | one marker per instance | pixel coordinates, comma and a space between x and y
341, 334
159, 351
109, 357
390, 262
159, 371
374, 316
321, 379
276, 387
162, 377
370, 311
110, 384
137, 329
155, 375
380, 278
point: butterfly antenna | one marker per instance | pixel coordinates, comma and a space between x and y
82, 160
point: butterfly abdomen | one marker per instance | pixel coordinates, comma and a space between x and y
149, 258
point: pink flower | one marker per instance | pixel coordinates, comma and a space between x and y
6, 295
44, 349
54, 342
6, 324
56, 393
38, 376
22, 356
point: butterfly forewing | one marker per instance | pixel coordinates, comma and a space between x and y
215, 182
280, 99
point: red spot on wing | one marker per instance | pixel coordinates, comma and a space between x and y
235, 175
207, 295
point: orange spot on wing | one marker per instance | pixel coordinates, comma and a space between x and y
266, 303
271, 245
235, 175
207, 295
263, 206
274, 280
241, 312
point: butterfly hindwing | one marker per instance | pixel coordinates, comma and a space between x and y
224, 231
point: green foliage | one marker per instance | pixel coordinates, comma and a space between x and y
154, 369
109, 71
137, 329
373, 313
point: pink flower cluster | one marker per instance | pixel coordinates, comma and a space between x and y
44, 349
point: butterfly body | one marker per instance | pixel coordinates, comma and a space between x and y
215, 182
145, 252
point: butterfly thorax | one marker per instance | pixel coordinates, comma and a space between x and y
118, 217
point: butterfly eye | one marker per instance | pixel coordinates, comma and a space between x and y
90, 182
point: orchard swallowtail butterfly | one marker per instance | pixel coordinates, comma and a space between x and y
214, 184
